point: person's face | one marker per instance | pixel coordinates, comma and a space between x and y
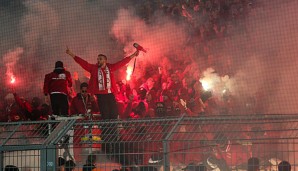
150, 82
175, 78
101, 60
84, 91
149, 97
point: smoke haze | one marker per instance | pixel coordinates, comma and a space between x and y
257, 59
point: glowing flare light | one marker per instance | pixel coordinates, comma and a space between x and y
12, 79
128, 73
206, 85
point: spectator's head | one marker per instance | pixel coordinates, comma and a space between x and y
102, 60
160, 109
91, 159
88, 167
45, 110
11, 168
119, 85
61, 161
284, 166
175, 78
83, 85
36, 102
142, 92
83, 88
253, 164
140, 109
150, 82
69, 165
59, 67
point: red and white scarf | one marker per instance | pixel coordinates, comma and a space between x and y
104, 79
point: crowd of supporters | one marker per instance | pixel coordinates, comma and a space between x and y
164, 90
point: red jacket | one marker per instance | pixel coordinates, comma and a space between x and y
20, 110
78, 106
93, 69
58, 83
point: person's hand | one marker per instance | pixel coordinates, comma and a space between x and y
136, 53
69, 52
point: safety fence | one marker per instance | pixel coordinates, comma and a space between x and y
213, 142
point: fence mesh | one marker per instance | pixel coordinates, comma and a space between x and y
216, 142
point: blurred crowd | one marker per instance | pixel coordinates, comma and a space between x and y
165, 90
161, 93
209, 18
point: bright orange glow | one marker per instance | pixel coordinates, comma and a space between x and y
128, 72
12, 79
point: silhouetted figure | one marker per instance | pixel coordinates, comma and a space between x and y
284, 166
11, 168
56, 86
90, 163
69, 165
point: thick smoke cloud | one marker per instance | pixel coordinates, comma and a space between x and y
259, 54
267, 65
43, 29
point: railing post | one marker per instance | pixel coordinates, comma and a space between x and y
166, 163
48, 158
49, 154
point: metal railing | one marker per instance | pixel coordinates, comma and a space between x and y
215, 142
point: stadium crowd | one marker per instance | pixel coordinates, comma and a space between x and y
177, 89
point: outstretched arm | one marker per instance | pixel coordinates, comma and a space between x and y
124, 61
84, 64
69, 52
136, 53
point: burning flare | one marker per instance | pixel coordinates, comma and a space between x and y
206, 85
128, 72
10, 59
12, 79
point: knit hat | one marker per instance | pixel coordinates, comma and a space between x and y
59, 65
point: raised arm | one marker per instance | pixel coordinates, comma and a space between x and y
70, 53
84, 64
124, 61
